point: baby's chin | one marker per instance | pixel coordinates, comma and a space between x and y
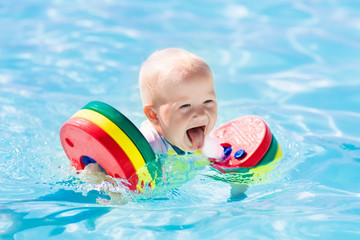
190, 149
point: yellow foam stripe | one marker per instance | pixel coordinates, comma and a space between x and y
264, 169
118, 135
144, 179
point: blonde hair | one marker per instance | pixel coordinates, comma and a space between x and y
169, 64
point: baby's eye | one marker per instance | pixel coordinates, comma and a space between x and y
185, 106
209, 101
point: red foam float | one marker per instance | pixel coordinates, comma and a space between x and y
249, 133
80, 137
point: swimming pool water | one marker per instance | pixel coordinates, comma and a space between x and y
293, 63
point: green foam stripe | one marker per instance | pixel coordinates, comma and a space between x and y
131, 131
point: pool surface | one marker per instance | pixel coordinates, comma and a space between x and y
293, 63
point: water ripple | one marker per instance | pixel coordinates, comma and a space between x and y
295, 64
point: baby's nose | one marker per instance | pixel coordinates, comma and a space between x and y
200, 117
199, 113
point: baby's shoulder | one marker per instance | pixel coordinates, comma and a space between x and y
153, 137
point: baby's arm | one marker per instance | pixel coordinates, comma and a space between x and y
237, 191
212, 149
95, 174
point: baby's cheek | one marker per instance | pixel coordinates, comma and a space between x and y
211, 126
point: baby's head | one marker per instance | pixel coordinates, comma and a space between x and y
177, 91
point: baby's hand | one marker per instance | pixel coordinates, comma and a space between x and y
212, 149
223, 152
93, 173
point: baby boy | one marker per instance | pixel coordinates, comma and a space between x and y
179, 101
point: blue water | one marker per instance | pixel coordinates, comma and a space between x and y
293, 63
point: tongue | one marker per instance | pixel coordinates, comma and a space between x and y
196, 136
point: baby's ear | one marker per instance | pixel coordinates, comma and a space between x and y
151, 114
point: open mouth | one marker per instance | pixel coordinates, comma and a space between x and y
196, 136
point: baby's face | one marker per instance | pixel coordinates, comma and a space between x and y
187, 112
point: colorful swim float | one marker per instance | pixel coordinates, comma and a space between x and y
251, 150
99, 133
